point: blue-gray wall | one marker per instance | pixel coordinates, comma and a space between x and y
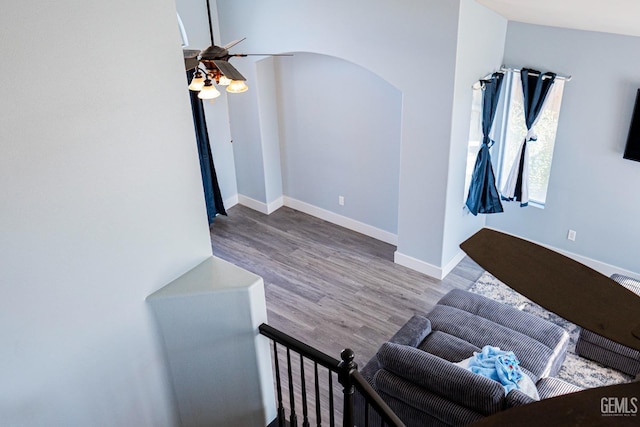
410, 44
340, 135
592, 189
478, 26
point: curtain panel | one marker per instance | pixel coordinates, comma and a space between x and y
535, 88
483, 195
212, 196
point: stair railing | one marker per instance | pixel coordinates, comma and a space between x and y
295, 379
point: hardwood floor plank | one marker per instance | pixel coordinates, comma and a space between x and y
327, 286
337, 287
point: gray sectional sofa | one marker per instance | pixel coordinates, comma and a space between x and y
417, 375
600, 349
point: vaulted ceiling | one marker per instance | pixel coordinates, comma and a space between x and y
610, 16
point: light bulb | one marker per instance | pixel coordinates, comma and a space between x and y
224, 81
208, 91
237, 86
197, 82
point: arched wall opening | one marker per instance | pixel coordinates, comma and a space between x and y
338, 131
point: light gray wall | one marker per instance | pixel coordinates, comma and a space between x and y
411, 45
340, 136
481, 38
244, 114
101, 206
592, 189
267, 94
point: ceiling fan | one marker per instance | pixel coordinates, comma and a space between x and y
580, 295
212, 65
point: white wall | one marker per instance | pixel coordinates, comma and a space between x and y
101, 205
592, 189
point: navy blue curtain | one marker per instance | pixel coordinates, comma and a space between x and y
535, 88
212, 195
483, 195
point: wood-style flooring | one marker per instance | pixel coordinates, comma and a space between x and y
325, 285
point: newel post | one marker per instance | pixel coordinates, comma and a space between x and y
346, 367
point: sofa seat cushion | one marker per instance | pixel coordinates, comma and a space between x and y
440, 377
551, 387
613, 346
608, 352
607, 356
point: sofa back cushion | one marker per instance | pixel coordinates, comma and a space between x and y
535, 356
539, 329
443, 378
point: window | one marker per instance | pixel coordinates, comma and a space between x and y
514, 131
509, 131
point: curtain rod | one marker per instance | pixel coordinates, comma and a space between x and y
516, 70
503, 69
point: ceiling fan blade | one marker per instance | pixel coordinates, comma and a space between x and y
228, 70
558, 283
233, 43
262, 54
190, 58
584, 408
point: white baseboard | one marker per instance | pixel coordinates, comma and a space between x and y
261, 207
231, 201
418, 265
453, 263
275, 205
341, 220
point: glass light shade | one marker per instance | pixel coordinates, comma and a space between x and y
224, 81
197, 82
208, 91
237, 86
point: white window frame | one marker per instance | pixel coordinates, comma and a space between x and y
502, 170
499, 132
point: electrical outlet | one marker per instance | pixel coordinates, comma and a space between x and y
572, 235
341, 200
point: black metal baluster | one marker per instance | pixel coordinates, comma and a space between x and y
344, 376
332, 422
318, 414
303, 384
293, 419
281, 414
347, 375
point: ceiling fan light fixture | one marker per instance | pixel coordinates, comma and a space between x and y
224, 81
197, 83
208, 91
237, 86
